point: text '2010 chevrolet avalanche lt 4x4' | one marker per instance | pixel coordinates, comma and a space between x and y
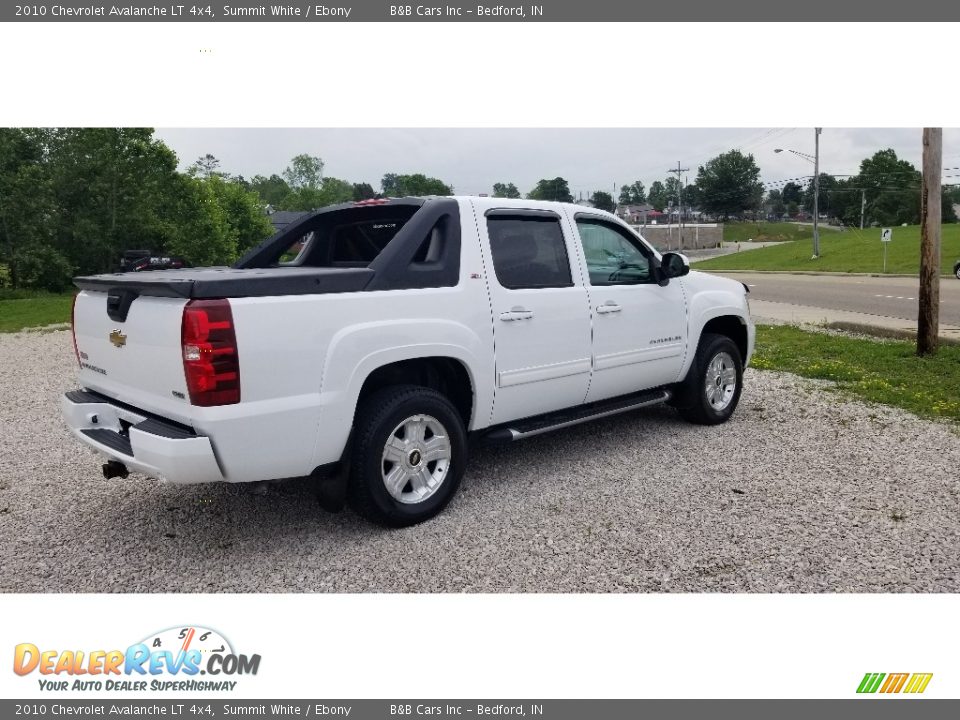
364, 344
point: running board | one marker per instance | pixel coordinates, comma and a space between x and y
540, 424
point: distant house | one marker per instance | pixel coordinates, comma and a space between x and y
281, 218
637, 214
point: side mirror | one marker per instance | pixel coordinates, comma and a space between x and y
673, 265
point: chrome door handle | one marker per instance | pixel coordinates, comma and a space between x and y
608, 307
517, 313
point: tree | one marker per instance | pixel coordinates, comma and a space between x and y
633, 194
395, 185
204, 166
792, 193
775, 204
243, 214
26, 206
556, 189
892, 189
658, 196
603, 201
304, 171
331, 191
672, 188
110, 187
505, 190
363, 191
272, 190
730, 184
691, 196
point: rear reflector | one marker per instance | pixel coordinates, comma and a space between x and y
210, 361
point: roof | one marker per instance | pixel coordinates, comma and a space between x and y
281, 218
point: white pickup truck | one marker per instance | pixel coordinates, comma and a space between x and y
368, 343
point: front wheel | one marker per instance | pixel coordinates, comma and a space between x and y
712, 388
409, 455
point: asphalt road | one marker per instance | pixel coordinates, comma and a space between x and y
890, 296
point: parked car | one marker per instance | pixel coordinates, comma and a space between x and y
367, 342
139, 260
956, 269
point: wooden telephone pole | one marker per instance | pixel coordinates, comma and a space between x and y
928, 321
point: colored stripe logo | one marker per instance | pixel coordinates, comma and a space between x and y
912, 683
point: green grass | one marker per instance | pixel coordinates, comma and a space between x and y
23, 309
853, 250
887, 372
769, 232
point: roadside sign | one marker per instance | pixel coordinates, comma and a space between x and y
886, 236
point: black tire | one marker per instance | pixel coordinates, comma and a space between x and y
956, 271
692, 400
377, 417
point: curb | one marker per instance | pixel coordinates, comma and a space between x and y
817, 272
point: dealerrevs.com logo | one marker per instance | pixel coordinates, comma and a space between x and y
174, 659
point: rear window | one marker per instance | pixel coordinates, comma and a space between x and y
352, 237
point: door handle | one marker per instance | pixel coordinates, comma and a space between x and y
608, 307
516, 313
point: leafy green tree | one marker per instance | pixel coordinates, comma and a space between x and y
672, 188
892, 189
775, 204
730, 184
204, 166
26, 207
505, 190
556, 189
109, 186
692, 197
633, 194
272, 190
199, 229
603, 201
658, 196
331, 191
246, 222
363, 191
304, 171
792, 193
394, 185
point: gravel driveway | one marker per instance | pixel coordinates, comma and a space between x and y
801, 491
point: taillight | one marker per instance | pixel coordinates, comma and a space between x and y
209, 345
73, 328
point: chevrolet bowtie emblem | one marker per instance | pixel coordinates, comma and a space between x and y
118, 338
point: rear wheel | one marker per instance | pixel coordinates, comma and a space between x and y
712, 389
409, 455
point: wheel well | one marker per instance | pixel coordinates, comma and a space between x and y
732, 327
445, 375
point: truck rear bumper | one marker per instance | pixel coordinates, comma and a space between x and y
143, 443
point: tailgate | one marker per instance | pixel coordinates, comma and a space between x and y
137, 360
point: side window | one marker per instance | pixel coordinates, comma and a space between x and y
528, 252
613, 257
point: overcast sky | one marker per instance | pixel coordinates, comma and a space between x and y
590, 159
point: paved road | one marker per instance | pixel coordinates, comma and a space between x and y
890, 296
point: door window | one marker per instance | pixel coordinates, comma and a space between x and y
613, 257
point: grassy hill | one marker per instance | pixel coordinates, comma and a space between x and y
853, 250
769, 232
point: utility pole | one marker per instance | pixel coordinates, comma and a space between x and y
816, 193
863, 205
928, 320
679, 203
